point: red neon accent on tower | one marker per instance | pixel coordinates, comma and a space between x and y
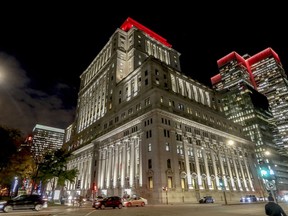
262, 55
129, 23
247, 63
258, 57
229, 57
215, 79
233, 55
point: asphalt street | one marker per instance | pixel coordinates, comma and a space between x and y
184, 209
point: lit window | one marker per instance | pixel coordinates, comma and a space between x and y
167, 146
150, 180
149, 147
170, 182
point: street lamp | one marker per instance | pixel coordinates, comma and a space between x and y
166, 190
230, 142
221, 180
267, 153
268, 175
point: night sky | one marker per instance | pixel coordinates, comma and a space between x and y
45, 48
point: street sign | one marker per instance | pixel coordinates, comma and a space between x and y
270, 185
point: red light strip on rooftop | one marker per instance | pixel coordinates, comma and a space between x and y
215, 79
229, 57
129, 23
262, 55
233, 55
258, 57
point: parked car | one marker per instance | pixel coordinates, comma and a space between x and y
248, 198
144, 200
262, 199
206, 199
35, 202
135, 201
112, 201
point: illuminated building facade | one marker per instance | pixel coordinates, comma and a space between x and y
46, 138
271, 80
141, 125
265, 72
244, 105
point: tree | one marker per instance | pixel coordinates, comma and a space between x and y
22, 164
10, 140
53, 169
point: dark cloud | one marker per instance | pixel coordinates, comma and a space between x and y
22, 107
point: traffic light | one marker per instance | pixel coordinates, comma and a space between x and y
94, 187
266, 172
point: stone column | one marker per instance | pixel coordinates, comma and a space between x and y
132, 162
123, 164
101, 168
248, 175
186, 158
198, 178
241, 170
214, 164
140, 162
237, 174
230, 170
109, 165
207, 173
116, 165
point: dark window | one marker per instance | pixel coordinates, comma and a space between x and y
150, 164
169, 164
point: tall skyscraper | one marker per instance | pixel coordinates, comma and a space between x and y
243, 104
142, 125
45, 139
265, 72
271, 80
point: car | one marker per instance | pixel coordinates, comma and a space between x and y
111, 201
206, 199
144, 200
262, 199
24, 201
248, 198
135, 201
97, 198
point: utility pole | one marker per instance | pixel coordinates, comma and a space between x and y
221, 183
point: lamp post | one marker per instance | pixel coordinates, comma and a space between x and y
166, 191
268, 175
221, 180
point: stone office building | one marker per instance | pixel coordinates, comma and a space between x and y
143, 127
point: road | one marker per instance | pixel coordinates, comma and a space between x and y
256, 209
